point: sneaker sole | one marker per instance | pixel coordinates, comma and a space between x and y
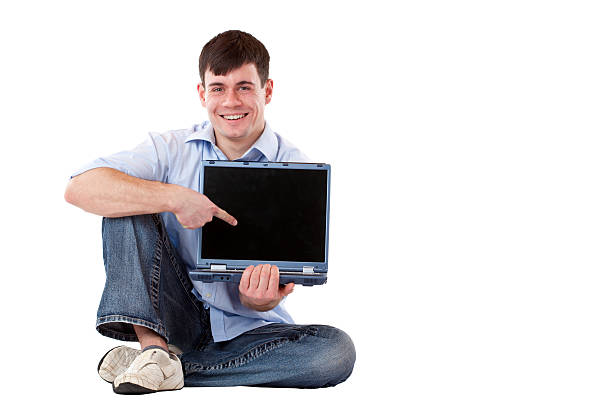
135, 389
131, 389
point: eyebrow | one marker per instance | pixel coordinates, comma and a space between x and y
222, 84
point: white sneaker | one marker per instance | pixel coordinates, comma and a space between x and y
152, 370
116, 361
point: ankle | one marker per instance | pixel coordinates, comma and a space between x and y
149, 338
155, 347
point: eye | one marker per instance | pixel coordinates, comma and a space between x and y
216, 90
245, 88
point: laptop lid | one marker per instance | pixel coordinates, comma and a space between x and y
282, 211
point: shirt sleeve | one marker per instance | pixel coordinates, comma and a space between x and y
149, 160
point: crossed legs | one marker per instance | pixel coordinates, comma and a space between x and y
148, 298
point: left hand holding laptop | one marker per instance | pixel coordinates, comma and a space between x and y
259, 287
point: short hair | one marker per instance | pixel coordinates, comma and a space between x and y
231, 50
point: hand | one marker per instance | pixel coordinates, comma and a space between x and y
259, 288
193, 209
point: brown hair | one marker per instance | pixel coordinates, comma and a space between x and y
232, 49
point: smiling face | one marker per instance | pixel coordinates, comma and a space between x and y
235, 103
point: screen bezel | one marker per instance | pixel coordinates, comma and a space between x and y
240, 264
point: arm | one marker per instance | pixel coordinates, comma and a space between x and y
111, 193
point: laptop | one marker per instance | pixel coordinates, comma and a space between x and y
283, 219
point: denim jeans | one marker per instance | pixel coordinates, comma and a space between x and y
148, 285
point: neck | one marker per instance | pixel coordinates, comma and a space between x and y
234, 149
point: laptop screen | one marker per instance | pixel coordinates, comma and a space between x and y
281, 213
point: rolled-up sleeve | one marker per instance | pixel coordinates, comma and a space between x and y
149, 160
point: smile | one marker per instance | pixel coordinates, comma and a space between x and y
234, 117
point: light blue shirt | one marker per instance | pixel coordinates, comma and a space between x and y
174, 157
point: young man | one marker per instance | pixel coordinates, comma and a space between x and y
195, 333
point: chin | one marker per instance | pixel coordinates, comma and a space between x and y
234, 135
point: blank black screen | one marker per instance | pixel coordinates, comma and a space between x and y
280, 212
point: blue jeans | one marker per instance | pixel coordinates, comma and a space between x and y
148, 285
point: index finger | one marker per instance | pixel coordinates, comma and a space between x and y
224, 215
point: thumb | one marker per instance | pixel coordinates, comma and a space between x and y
287, 289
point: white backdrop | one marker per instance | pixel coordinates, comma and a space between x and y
471, 225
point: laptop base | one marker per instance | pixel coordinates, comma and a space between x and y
305, 279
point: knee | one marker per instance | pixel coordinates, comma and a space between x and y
334, 359
125, 237
145, 227
116, 225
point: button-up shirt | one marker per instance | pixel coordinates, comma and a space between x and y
174, 157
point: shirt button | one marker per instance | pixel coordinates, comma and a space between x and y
207, 295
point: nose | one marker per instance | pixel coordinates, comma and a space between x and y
231, 99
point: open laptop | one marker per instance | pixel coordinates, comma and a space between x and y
283, 219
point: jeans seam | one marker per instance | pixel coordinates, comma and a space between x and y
250, 355
173, 261
155, 276
206, 338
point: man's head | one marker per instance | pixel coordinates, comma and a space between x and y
235, 87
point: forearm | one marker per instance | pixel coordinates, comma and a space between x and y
111, 193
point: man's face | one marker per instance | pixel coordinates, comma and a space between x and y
235, 102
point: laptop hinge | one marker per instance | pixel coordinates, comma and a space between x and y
217, 267
307, 269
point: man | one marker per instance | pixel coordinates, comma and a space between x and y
195, 333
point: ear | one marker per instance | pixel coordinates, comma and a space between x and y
202, 94
268, 90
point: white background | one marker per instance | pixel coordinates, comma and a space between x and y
471, 223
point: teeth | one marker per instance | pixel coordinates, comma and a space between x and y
234, 117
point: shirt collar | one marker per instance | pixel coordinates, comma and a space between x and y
204, 132
266, 144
